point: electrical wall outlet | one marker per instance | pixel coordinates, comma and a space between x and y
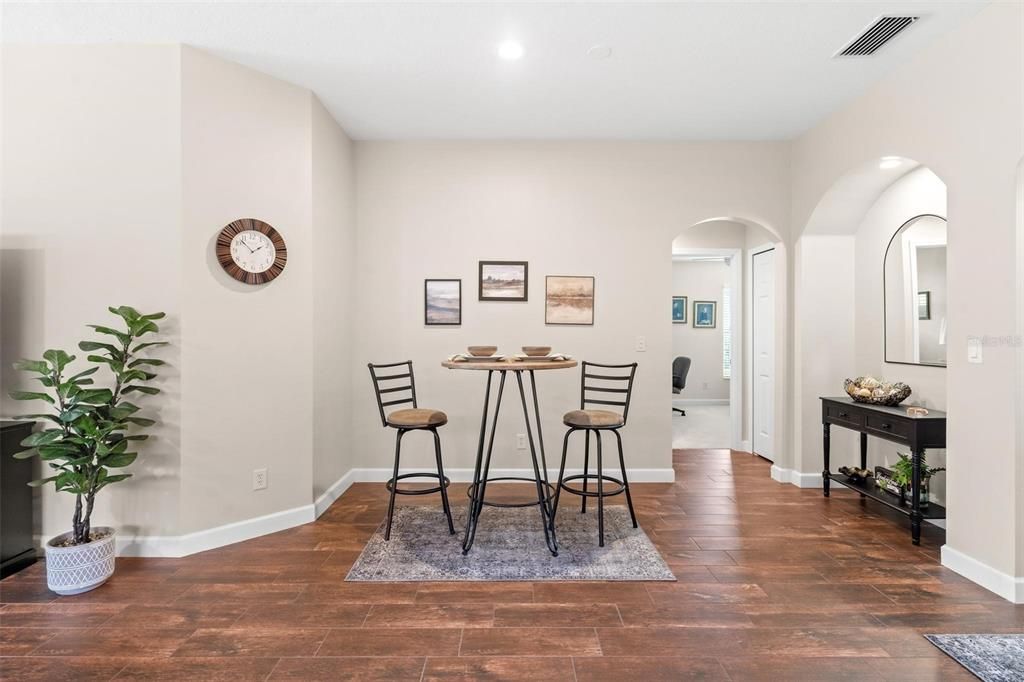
641, 344
520, 441
974, 354
259, 479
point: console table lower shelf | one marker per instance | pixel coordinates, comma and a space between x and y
931, 512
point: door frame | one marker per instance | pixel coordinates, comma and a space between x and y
748, 345
735, 262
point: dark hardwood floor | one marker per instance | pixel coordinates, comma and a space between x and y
774, 583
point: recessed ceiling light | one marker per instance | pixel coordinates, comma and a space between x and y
890, 162
510, 50
599, 52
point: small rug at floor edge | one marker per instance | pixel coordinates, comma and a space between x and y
992, 658
509, 546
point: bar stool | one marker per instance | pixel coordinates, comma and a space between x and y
597, 420
403, 421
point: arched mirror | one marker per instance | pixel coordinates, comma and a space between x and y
914, 286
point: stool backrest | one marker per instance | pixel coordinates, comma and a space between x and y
607, 385
396, 385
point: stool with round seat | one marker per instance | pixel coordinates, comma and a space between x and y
415, 418
606, 386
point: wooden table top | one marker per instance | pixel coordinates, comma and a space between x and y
507, 365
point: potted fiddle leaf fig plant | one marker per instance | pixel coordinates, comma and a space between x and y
88, 438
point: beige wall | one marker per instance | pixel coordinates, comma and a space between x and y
962, 118
334, 258
607, 209
90, 214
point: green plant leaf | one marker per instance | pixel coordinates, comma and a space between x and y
43, 437
31, 395
140, 421
143, 327
125, 312
95, 396
149, 344
49, 417
58, 359
146, 361
149, 390
26, 454
97, 345
154, 316
123, 337
119, 460
42, 481
37, 366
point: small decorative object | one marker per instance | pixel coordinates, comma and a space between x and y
90, 439
871, 390
903, 472
679, 310
482, 351
884, 480
924, 305
442, 301
503, 280
251, 251
917, 412
855, 474
536, 351
704, 313
569, 300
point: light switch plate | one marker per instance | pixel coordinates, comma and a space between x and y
974, 350
641, 344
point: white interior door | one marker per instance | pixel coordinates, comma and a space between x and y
763, 277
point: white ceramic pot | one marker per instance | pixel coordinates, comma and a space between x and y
79, 568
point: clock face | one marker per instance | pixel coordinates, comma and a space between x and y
251, 251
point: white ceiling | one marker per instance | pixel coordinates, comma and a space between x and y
712, 70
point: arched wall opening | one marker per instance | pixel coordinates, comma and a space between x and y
734, 241
839, 310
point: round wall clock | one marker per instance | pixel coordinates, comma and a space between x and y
251, 251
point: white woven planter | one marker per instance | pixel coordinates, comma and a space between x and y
80, 568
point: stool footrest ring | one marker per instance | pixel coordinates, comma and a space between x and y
426, 491
549, 493
592, 493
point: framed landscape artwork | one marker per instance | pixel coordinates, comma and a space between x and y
503, 280
704, 314
569, 300
442, 301
678, 310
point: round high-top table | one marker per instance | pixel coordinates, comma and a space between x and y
478, 488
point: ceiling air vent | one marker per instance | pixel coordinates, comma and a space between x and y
876, 35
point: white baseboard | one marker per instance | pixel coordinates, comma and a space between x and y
1006, 586
333, 493
211, 538
700, 401
797, 478
369, 475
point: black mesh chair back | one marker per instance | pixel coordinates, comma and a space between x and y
680, 368
607, 385
394, 385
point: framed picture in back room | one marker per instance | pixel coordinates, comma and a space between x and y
679, 310
704, 313
504, 280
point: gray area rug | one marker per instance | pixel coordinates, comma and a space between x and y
993, 658
509, 546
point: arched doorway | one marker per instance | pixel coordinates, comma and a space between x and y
713, 264
841, 328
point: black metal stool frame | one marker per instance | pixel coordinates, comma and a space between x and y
601, 477
477, 490
392, 484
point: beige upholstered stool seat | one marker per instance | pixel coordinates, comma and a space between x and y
585, 418
417, 417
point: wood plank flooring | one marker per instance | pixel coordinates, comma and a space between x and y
775, 583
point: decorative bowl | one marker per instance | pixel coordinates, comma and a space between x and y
871, 390
536, 351
482, 351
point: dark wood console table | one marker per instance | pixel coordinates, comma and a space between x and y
893, 424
